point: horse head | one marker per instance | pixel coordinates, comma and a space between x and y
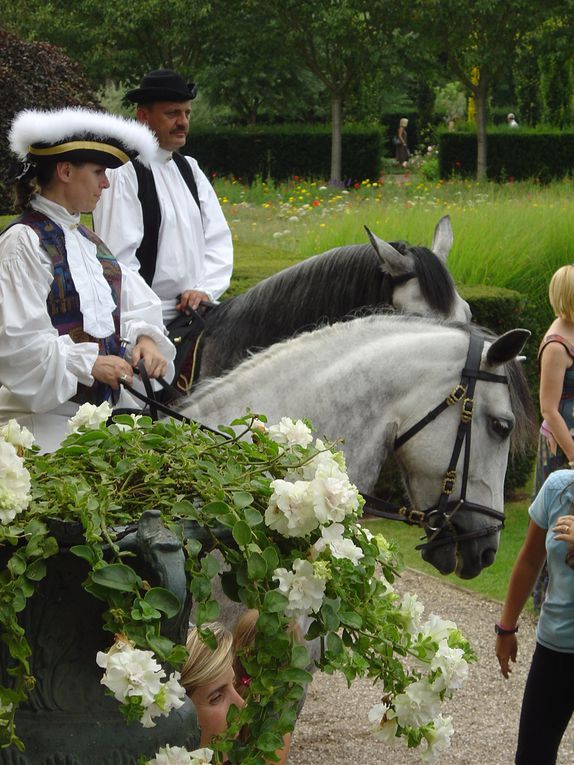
463, 522
418, 276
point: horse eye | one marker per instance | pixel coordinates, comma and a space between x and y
502, 428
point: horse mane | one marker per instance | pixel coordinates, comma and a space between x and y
319, 290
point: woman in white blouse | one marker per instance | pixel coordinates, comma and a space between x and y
72, 320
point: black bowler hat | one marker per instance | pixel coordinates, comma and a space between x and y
162, 85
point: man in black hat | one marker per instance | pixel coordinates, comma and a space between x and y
166, 220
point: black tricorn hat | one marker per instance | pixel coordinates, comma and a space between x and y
162, 85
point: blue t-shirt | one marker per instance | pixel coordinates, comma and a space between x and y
556, 624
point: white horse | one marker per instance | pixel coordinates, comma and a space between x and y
369, 381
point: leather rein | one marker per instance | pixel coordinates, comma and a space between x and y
437, 521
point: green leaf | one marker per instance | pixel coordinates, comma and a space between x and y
241, 533
160, 645
17, 564
268, 624
295, 675
117, 576
242, 499
300, 656
36, 571
275, 602
329, 617
163, 600
207, 612
210, 566
271, 557
256, 566
351, 619
335, 644
253, 517
269, 742
86, 552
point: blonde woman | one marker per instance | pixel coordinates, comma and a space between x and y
402, 152
209, 680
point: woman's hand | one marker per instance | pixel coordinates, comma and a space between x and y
111, 370
506, 650
146, 349
564, 529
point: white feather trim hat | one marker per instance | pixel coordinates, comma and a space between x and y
82, 135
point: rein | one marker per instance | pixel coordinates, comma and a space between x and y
437, 520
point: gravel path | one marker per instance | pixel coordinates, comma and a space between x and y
333, 727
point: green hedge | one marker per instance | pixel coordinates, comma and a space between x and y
282, 151
517, 154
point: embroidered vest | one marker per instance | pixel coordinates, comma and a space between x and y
63, 301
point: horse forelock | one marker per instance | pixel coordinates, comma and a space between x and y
435, 282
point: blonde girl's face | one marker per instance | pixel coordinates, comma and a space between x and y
212, 703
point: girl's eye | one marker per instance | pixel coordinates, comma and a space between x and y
216, 699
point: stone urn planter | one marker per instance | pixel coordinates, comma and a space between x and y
68, 718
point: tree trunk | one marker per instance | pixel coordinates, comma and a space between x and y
481, 119
336, 140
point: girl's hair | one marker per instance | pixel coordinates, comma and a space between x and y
403, 122
561, 293
204, 665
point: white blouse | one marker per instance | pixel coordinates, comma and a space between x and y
40, 369
195, 250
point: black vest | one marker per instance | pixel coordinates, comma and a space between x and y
147, 195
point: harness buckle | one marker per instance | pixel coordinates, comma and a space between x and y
467, 410
448, 482
456, 395
413, 516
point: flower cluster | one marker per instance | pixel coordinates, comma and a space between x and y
137, 681
176, 755
278, 507
15, 478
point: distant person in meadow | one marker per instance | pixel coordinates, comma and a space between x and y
402, 152
511, 120
556, 367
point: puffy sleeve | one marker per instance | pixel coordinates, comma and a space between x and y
218, 241
37, 365
118, 218
141, 314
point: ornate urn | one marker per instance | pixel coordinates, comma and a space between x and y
68, 718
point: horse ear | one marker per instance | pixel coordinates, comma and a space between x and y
507, 346
443, 239
391, 259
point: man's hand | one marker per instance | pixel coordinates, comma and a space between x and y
191, 299
111, 369
146, 349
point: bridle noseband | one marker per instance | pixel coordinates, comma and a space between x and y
437, 520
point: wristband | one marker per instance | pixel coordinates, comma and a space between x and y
500, 630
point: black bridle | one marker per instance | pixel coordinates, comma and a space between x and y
437, 521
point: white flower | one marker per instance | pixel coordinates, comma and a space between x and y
438, 739
289, 433
453, 668
325, 461
411, 610
130, 671
290, 509
304, 589
383, 724
17, 435
334, 496
171, 696
14, 483
418, 705
90, 416
340, 547
436, 628
176, 755
259, 426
